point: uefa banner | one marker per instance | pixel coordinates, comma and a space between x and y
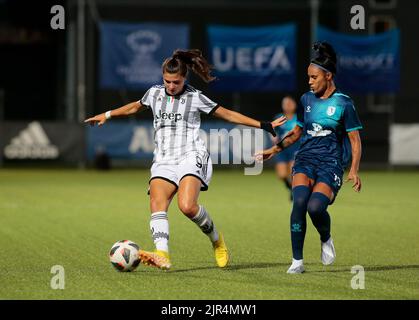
131, 54
227, 143
42, 141
253, 58
366, 63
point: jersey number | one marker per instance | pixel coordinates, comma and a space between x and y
198, 162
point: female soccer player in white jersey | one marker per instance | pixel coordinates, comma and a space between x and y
181, 161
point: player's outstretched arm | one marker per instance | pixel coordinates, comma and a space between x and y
356, 147
123, 111
266, 154
288, 140
238, 118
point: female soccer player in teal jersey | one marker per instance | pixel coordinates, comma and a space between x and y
284, 160
327, 123
181, 163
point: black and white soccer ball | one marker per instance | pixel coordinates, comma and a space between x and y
124, 255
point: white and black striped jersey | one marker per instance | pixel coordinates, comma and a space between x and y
176, 122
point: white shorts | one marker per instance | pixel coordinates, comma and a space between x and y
197, 164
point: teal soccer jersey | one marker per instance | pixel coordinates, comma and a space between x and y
289, 153
325, 124
281, 131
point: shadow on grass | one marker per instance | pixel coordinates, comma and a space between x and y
373, 268
266, 265
261, 265
233, 267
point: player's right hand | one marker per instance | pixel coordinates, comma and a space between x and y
99, 120
266, 154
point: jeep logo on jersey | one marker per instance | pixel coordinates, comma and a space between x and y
331, 111
169, 116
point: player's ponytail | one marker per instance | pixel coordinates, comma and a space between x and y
325, 56
192, 59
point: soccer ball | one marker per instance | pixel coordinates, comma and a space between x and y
124, 255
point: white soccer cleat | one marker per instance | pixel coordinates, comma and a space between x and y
328, 255
297, 266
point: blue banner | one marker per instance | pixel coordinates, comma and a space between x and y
226, 142
131, 54
253, 58
121, 140
366, 64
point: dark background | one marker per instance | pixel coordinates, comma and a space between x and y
35, 60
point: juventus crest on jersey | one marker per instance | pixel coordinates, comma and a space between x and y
176, 122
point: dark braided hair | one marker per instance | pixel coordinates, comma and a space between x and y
192, 59
325, 56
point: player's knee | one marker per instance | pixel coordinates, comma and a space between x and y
314, 207
301, 195
188, 208
317, 204
299, 202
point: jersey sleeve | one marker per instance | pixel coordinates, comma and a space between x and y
350, 118
146, 99
206, 105
300, 112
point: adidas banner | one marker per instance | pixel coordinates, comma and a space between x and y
253, 58
40, 141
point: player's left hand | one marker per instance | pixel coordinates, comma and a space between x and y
353, 176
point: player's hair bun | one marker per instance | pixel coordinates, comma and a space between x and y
325, 56
182, 60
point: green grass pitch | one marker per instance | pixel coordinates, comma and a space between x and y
72, 217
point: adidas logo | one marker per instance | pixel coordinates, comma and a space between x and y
31, 143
